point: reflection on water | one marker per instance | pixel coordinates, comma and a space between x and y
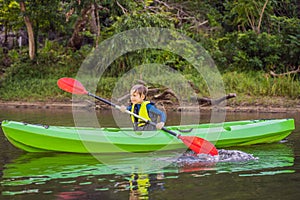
35, 171
272, 158
76, 176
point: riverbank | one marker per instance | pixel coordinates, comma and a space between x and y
262, 107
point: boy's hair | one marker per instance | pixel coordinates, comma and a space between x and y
140, 89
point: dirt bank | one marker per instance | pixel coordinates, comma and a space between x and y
91, 105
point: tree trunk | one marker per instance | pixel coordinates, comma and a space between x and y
261, 16
93, 20
98, 27
5, 43
76, 40
30, 33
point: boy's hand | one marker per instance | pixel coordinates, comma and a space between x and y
160, 125
123, 108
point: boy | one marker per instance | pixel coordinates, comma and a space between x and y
145, 109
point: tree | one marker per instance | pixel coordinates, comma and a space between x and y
38, 14
87, 16
30, 32
9, 18
245, 13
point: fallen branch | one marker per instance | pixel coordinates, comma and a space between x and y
164, 94
286, 73
207, 101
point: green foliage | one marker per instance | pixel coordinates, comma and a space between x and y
44, 15
288, 32
141, 20
9, 14
29, 80
287, 8
146, 56
132, 59
245, 14
105, 86
51, 61
248, 51
228, 30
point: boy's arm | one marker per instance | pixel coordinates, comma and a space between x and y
155, 110
162, 115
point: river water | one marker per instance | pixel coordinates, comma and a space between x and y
274, 175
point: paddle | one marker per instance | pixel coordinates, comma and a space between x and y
196, 144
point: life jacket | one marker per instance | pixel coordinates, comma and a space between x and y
143, 112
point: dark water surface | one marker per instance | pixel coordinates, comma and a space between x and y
274, 175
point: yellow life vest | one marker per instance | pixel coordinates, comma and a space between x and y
142, 112
141, 183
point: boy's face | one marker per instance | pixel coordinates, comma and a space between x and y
136, 98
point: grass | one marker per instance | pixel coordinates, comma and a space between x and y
252, 88
259, 84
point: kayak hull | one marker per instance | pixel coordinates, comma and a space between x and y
39, 138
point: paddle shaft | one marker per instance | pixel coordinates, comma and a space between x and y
131, 113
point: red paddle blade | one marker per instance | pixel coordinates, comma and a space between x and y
199, 145
71, 85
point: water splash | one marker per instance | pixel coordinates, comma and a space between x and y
224, 156
235, 156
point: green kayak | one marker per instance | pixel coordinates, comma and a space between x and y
41, 138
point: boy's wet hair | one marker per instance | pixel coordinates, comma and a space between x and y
140, 89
